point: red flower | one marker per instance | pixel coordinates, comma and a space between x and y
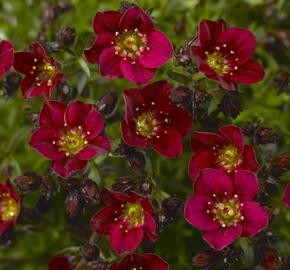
126, 218
225, 54
224, 208
41, 73
6, 56
69, 135
151, 120
59, 263
286, 196
127, 45
225, 150
10, 205
139, 262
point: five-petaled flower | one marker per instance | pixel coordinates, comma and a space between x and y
151, 120
286, 196
224, 207
10, 205
141, 262
70, 136
59, 263
127, 45
6, 56
225, 54
224, 150
126, 218
41, 72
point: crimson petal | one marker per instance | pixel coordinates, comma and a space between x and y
110, 64
222, 237
52, 114
135, 17
195, 212
255, 220
107, 21
136, 73
169, 143
160, 50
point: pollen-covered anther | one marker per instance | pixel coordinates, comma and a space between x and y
8, 207
133, 214
228, 158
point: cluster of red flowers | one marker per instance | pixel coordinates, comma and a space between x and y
223, 167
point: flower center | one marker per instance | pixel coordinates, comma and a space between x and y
133, 214
218, 63
44, 72
130, 44
72, 142
8, 207
228, 157
137, 268
227, 212
145, 124
222, 60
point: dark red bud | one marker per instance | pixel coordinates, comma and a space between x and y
89, 252
107, 104
74, 203
29, 181
264, 135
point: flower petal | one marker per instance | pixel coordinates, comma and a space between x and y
67, 167
133, 99
23, 61
136, 73
76, 113
241, 41
103, 220
39, 50
234, 136
160, 50
93, 124
212, 181
52, 114
157, 92
101, 41
131, 138
30, 89
134, 18
95, 147
125, 242
150, 228
222, 237
42, 141
286, 196
5, 226
200, 161
255, 220
249, 73
195, 213
205, 140
110, 64
153, 261
246, 185
107, 21
209, 31
6, 54
180, 119
249, 161
169, 143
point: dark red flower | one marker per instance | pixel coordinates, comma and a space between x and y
224, 150
41, 72
151, 120
59, 263
70, 136
126, 218
6, 56
224, 208
10, 205
225, 54
127, 45
286, 196
141, 262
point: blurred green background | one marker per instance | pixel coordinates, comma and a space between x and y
21, 21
